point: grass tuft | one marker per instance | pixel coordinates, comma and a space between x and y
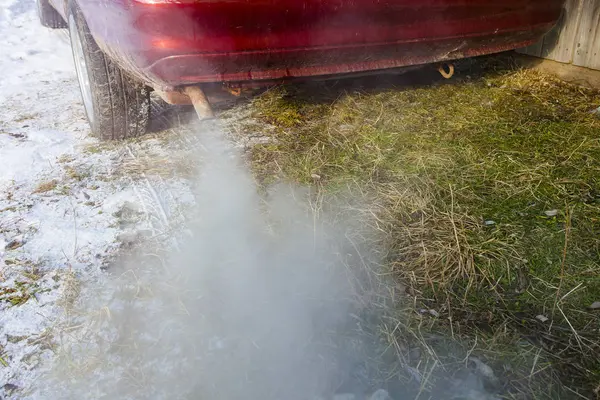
46, 186
488, 192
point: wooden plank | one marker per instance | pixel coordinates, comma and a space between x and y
560, 43
587, 52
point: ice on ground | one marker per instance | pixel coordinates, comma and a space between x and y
62, 195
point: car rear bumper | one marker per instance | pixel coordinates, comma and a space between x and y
173, 44
281, 64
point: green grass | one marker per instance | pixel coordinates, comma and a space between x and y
463, 173
20, 293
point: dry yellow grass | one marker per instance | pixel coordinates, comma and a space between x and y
488, 193
46, 186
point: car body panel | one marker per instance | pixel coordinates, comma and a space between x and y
171, 43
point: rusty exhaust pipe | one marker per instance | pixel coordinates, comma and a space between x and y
200, 102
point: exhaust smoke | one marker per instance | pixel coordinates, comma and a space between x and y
258, 301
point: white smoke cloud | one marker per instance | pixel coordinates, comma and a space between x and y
255, 304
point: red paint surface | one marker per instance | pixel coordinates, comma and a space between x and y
172, 44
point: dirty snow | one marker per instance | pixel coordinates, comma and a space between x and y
62, 195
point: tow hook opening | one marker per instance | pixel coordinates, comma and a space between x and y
446, 70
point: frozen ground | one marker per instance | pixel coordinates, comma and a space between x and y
66, 207
94, 302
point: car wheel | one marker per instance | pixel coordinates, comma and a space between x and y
116, 105
49, 17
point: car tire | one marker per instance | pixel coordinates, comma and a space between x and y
117, 106
49, 17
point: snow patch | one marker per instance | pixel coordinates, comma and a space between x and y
60, 203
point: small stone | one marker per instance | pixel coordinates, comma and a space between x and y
595, 305
484, 370
15, 243
434, 313
551, 213
541, 318
490, 223
315, 176
9, 388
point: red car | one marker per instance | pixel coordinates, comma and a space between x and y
125, 48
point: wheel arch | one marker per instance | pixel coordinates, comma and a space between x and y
117, 106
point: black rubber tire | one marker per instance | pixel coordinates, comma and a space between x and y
49, 17
121, 105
